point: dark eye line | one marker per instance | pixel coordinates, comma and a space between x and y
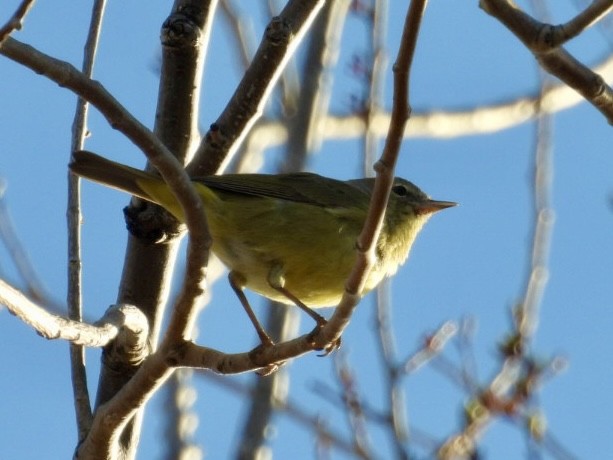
400, 190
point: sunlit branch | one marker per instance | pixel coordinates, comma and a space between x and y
52, 326
437, 124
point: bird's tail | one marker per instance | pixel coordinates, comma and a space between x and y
126, 179
112, 174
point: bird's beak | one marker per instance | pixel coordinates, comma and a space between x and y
432, 206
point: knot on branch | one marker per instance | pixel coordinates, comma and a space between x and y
131, 346
216, 138
278, 32
548, 38
180, 30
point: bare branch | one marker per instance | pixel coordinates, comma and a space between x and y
52, 326
537, 276
595, 11
377, 80
436, 124
555, 60
397, 420
79, 131
16, 21
433, 345
189, 354
281, 38
113, 416
184, 37
353, 405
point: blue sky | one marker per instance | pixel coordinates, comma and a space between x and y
469, 261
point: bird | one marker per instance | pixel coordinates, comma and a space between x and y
288, 237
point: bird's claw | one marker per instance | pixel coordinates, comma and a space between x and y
330, 346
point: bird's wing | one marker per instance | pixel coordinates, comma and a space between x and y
297, 187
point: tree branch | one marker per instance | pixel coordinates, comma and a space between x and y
184, 37
52, 326
282, 36
436, 124
16, 21
83, 407
560, 34
554, 59
172, 172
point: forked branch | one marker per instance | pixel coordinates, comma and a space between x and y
543, 41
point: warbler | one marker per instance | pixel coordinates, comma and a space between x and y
289, 237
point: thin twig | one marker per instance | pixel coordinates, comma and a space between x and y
16, 21
352, 403
536, 279
398, 425
432, 346
594, 12
80, 390
377, 82
510, 392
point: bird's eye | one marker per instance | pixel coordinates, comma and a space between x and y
400, 190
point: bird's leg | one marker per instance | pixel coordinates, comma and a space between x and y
237, 282
277, 282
